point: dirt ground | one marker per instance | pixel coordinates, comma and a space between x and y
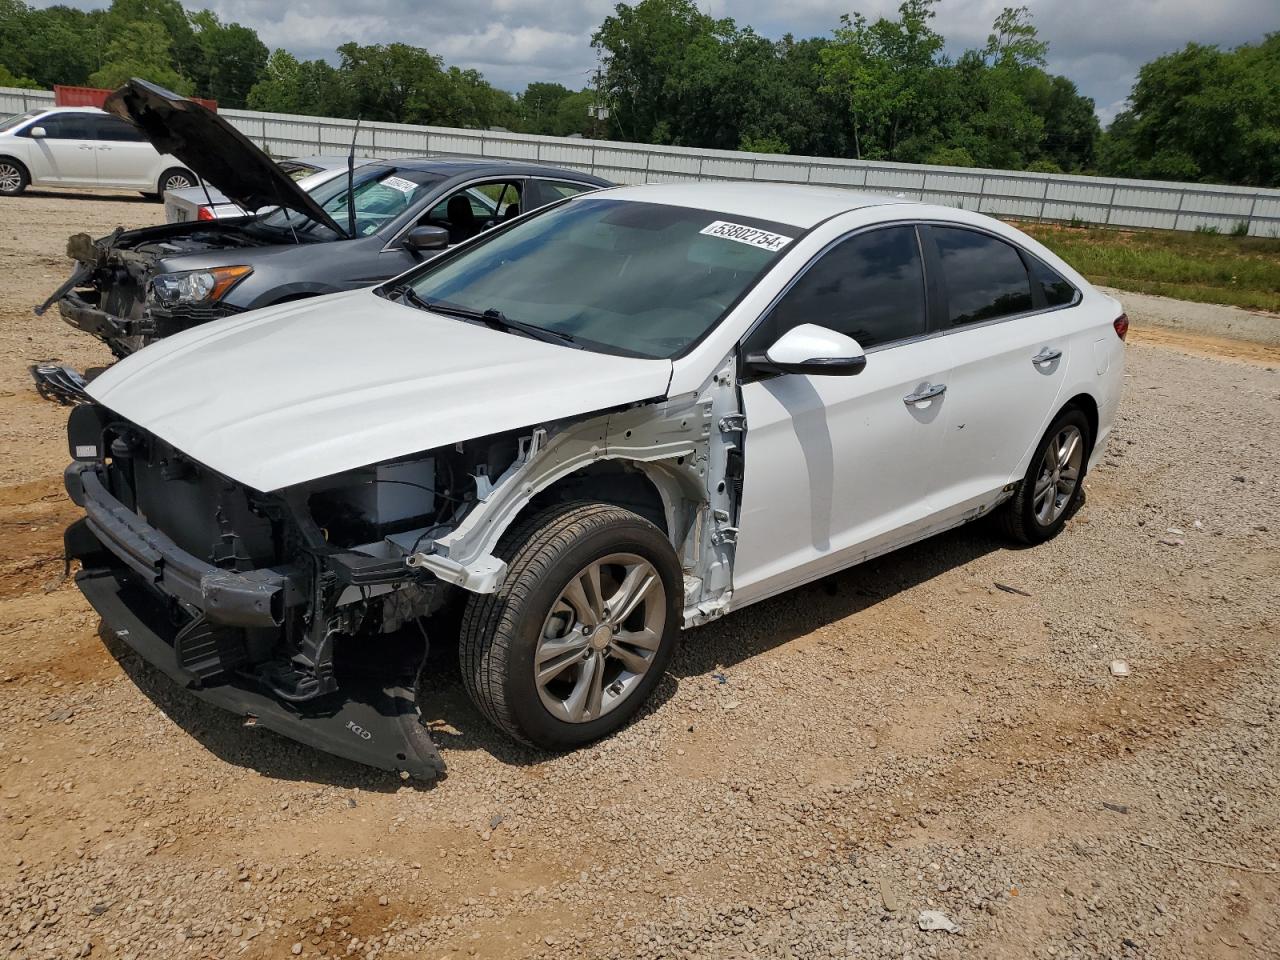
937, 730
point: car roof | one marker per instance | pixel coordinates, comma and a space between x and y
798, 205
49, 110
458, 166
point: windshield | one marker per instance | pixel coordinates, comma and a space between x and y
9, 121
641, 279
381, 195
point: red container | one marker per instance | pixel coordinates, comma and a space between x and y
93, 97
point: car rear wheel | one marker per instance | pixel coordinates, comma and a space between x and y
175, 179
13, 177
578, 635
1054, 482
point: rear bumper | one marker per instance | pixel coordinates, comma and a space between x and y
135, 577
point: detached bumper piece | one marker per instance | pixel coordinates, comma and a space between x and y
194, 622
59, 383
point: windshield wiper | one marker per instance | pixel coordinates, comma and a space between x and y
495, 319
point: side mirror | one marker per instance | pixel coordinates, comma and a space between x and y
427, 238
38, 133
811, 349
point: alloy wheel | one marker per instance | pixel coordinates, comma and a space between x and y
175, 182
10, 178
1059, 475
600, 638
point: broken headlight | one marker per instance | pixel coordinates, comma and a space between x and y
196, 286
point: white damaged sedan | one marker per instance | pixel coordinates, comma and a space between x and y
559, 444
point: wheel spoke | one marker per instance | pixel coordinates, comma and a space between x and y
646, 638
583, 594
630, 659
635, 585
1067, 446
554, 656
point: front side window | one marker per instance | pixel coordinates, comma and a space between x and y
639, 279
985, 277
869, 287
65, 126
477, 207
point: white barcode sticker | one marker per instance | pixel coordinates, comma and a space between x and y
751, 236
401, 184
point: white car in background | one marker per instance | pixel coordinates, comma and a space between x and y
83, 147
560, 442
201, 203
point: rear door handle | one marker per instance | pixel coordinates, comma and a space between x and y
928, 392
1046, 355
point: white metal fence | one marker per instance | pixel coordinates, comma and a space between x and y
1004, 193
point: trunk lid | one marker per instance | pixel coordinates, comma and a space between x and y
213, 149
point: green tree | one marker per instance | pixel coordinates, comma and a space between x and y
140, 50
184, 53
885, 70
309, 87
1203, 114
232, 58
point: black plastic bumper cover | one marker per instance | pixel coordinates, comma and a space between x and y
129, 568
376, 727
255, 599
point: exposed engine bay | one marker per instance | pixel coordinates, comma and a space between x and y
311, 606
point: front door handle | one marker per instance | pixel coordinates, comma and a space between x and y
927, 392
1046, 355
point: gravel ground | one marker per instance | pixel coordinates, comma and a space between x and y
906, 736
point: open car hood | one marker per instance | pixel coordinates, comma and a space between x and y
213, 149
308, 389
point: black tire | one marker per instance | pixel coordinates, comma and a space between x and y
500, 631
1017, 517
14, 177
163, 183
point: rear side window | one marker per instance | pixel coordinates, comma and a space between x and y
869, 287
559, 189
1058, 292
985, 277
115, 129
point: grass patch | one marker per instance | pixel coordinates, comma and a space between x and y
1207, 267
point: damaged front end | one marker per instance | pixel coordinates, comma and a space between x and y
279, 607
116, 291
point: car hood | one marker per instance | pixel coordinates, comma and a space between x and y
305, 390
212, 148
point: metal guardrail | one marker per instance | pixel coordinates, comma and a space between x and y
1004, 193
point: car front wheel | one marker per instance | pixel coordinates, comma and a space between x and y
1054, 481
13, 177
578, 635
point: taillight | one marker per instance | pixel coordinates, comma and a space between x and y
206, 213
1121, 323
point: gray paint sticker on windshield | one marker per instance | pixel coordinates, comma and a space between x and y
751, 236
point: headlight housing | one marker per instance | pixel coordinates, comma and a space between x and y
196, 286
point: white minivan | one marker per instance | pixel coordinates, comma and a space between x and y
83, 147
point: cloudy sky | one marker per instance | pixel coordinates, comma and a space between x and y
1097, 43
